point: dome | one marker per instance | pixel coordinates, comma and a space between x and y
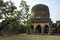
40, 10
40, 7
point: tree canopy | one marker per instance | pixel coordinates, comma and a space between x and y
14, 17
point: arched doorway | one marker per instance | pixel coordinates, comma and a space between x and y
46, 29
38, 29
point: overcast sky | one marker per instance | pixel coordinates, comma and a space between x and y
54, 7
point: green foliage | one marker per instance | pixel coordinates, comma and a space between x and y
2, 8
12, 16
29, 22
22, 26
12, 22
24, 11
10, 9
2, 3
7, 9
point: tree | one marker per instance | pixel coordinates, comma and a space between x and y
25, 16
11, 25
29, 22
12, 22
11, 15
24, 11
2, 8
10, 9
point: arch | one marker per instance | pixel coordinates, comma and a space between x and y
38, 29
46, 29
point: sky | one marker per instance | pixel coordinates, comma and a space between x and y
54, 6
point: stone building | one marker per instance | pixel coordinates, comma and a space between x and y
42, 23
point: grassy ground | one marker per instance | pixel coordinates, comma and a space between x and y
30, 37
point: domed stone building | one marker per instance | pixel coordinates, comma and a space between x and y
42, 23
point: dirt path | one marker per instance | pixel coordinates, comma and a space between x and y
30, 37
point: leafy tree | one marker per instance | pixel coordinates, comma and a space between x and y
2, 8
10, 9
10, 13
25, 14
29, 22
12, 16
10, 25
12, 22
24, 11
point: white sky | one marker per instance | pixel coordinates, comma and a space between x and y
54, 6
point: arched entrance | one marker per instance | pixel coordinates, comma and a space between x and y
38, 29
46, 29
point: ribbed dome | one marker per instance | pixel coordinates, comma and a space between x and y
40, 10
40, 7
